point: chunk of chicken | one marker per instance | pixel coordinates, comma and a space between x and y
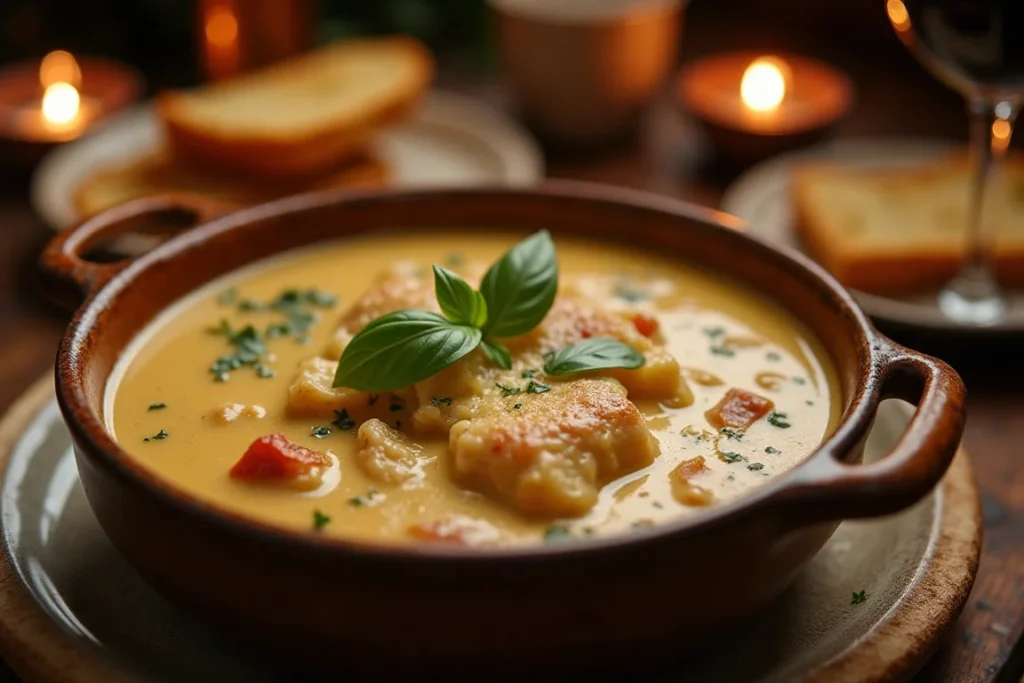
388, 456
551, 455
312, 394
396, 290
573, 319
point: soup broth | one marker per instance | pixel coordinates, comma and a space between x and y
734, 392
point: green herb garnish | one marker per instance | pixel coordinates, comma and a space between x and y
360, 501
778, 420
527, 374
593, 354
773, 356
771, 450
732, 457
159, 436
156, 406
731, 433
755, 466
858, 598
723, 351
535, 387
557, 532
508, 391
405, 347
320, 432
714, 332
440, 400
320, 520
627, 292
517, 406
342, 420
799, 380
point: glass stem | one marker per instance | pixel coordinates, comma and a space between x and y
991, 130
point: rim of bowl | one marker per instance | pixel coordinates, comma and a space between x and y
625, 11
103, 449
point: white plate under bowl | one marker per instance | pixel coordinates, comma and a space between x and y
762, 198
452, 140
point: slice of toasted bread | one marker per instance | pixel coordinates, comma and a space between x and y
301, 116
161, 174
902, 230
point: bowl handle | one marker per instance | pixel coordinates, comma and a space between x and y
831, 489
68, 276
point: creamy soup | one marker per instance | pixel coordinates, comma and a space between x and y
229, 395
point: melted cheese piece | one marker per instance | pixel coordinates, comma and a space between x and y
417, 483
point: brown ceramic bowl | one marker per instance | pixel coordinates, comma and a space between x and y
346, 605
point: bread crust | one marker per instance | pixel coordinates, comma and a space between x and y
297, 152
887, 268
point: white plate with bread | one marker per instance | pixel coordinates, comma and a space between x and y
887, 217
352, 114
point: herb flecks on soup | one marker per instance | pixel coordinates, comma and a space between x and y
645, 391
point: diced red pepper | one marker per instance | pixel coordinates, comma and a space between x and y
438, 532
738, 409
689, 468
645, 324
276, 458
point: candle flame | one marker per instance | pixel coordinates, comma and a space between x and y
764, 85
60, 76
898, 15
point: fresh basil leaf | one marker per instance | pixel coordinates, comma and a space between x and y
498, 354
520, 287
459, 302
402, 348
593, 354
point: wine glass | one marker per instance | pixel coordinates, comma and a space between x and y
977, 48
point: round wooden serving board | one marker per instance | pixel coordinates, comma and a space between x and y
72, 611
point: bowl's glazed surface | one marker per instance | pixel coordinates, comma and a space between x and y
337, 605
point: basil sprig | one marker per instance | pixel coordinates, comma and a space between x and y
597, 353
405, 347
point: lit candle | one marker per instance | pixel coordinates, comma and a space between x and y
781, 97
60, 98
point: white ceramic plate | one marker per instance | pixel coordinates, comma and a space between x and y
761, 197
72, 610
453, 140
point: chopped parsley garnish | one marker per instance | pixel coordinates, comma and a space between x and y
731, 457
557, 532
518, 406
714, 332
799, 380
360, 501
755, 466
527, 374
723, 351
657, 504
773, 356
858, 598
342, 420
250, 343
508, 391
159, 436
731, 433
320, 520
156, 406
809, 402
770, 450
626, 291
778, 420
535, 387
440, 400
320, 431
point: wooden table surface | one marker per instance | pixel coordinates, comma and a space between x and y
985, 646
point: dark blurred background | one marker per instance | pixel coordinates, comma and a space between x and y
159, 37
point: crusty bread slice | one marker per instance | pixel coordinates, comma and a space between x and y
902, 230
301, 116
161, 174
